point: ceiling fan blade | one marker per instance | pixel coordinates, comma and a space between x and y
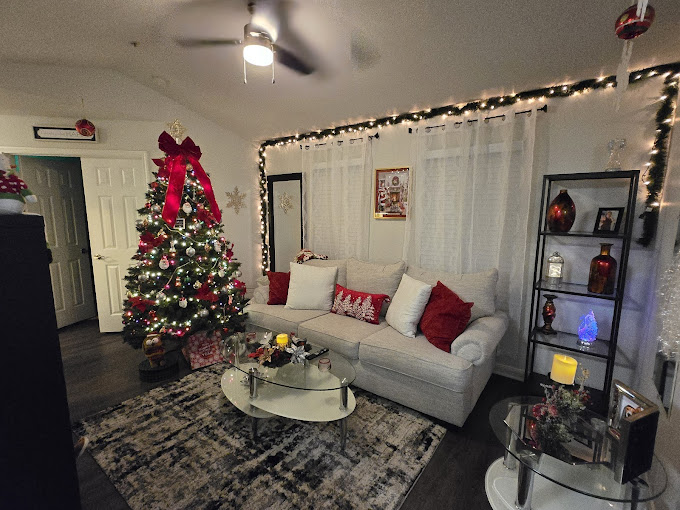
288, 59
196, 43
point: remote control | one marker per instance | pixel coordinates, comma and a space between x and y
317, 354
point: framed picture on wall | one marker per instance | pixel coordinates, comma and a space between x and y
391, 193
608, 220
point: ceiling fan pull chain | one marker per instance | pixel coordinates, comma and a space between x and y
273, 77
245, 78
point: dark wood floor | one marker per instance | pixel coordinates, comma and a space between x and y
101, 371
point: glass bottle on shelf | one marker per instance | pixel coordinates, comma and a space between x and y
602, 272
615, 148
554, 270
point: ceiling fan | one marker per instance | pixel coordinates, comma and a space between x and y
260, 40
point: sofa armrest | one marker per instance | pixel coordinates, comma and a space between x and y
479, 340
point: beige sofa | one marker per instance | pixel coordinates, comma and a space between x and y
410, 371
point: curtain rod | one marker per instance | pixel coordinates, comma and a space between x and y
338, 142
543, 108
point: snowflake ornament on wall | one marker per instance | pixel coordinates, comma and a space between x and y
236, 199
286, 202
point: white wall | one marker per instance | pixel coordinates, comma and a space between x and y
130, 117
571, 137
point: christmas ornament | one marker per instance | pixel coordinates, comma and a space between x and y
186, 207
85, 128
164, 263
203, 312
197, 285
156, 208
632, 23
237, 273
176, 162
206, 294
154, 350
13, 190
143, 277
221, 273
236, 199
218, 246
160, 296
183, 302
207, 247
225, 290
191, 251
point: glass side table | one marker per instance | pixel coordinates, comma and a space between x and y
587, 482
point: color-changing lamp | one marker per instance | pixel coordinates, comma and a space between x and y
587, 330
563, 369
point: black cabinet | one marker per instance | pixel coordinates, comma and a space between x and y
566, 341
37, 466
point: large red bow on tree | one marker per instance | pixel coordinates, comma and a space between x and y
206, 294
140, 303
177, 158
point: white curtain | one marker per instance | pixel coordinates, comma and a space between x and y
470, 192
337, 201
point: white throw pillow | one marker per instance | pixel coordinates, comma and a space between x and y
408, 305
311, 288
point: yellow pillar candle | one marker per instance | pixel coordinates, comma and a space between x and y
282, 340
563, 369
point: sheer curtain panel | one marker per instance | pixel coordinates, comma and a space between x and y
470, 194
337, 202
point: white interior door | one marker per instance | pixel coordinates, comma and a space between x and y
114, 190
57, 183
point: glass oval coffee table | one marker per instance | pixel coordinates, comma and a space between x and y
299, 391
586, 482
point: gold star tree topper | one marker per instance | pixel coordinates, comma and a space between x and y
236, 199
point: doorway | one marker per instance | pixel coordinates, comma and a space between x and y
89, 199
58, 184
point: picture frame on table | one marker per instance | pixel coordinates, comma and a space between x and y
391, 193
633, 421
608, 220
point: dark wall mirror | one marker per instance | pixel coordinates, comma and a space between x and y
285, 219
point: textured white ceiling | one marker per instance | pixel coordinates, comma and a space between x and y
429, 53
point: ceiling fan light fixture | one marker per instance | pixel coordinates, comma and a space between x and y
257, 49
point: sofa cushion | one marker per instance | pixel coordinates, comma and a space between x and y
278, 318
261, 293
340, 334
311, 288
278, 287
446, 316
341, 264
375, 278
358, 305
408, 305
417, 358
478, 288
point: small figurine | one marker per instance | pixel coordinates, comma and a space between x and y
154, 350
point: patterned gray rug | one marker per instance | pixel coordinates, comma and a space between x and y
184, 446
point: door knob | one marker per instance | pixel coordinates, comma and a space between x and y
99, 257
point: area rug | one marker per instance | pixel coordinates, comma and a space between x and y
184, 446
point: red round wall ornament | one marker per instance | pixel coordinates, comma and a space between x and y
630, 25
85, 127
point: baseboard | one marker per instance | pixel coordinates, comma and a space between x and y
509, 371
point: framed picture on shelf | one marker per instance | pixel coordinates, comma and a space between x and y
391, 193
608, 220
632, 421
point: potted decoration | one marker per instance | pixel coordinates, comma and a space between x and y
14, 192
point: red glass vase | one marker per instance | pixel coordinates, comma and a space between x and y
602, 272
561, 213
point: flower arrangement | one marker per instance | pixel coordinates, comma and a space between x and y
273, 356
560, 409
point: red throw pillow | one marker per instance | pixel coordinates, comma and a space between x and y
278, 287
445, 317
360, 305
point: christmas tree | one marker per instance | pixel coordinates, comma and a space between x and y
185, 276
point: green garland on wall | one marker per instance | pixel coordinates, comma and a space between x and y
653, 177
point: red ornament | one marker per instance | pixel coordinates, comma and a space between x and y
629, 25
85, 127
